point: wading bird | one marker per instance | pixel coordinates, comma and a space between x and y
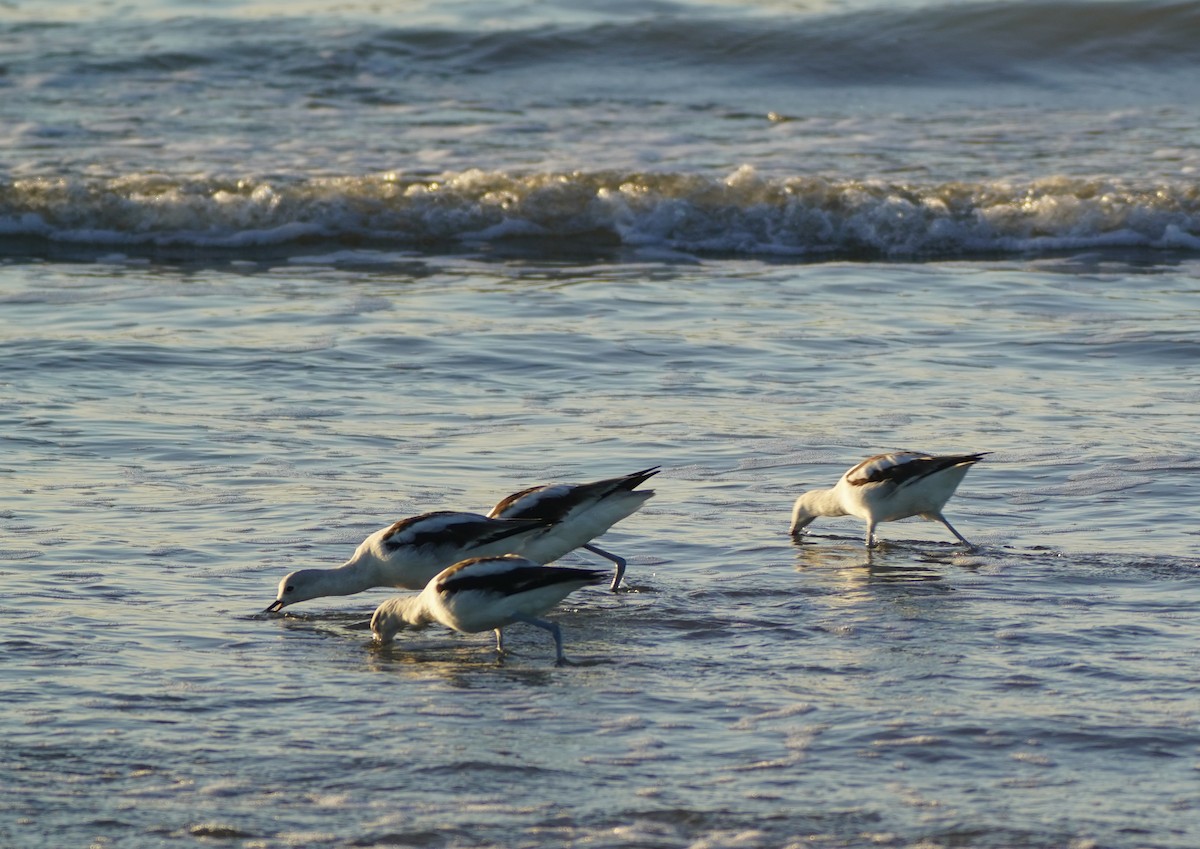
409, 553
483, 594
888, 487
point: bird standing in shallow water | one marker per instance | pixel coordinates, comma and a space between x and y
482, 594
888, 487
577, 513
408, 553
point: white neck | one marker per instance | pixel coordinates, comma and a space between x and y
821, 502
412, 609
360, 572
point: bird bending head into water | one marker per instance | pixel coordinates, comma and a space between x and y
483, 594
577, 513
408, 553
888, 487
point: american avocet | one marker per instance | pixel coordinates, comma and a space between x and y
577, 513
485, 593
409, 553
888, 487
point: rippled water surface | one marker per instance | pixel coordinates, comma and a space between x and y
274, 275
812, 129
177, 437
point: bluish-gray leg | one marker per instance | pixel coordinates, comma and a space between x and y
950, 528
547, 626
620, 561
500, 642
870, 534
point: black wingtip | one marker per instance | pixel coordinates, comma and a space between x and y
636, 479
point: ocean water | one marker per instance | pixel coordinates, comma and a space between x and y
273, 276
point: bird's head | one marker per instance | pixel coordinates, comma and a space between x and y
387, 621
804, 512
298, 586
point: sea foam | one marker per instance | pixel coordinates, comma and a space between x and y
740, 213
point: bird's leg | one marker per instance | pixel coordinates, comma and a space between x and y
500, 650
950, 528
871, 541
560, 659
620, 561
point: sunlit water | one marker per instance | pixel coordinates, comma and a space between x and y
274, 275
176, 439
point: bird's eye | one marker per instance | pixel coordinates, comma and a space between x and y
288, 588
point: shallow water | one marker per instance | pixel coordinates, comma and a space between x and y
273, 276
177, 438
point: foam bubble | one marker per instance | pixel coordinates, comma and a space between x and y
673, 213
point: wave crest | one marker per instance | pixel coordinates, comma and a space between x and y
743, 213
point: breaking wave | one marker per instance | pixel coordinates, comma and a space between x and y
742, 213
